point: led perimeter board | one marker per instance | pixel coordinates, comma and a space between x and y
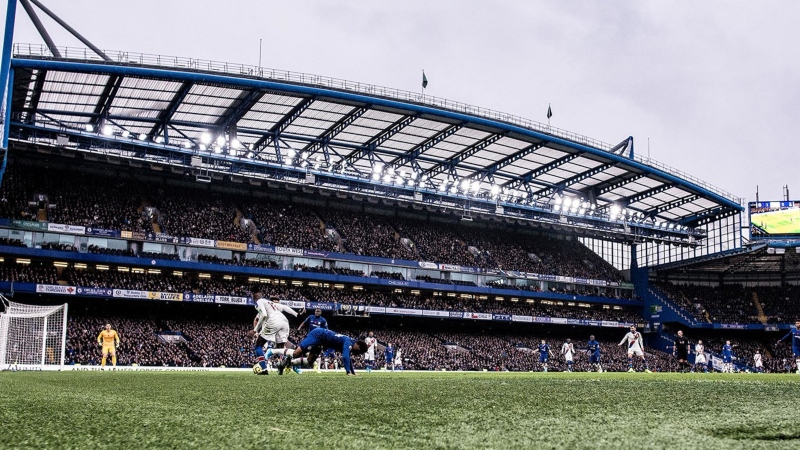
774, 219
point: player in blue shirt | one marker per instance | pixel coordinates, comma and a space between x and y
544, 354
389, 352
321, 339
795, 334
593, 348
315, 321
727, 357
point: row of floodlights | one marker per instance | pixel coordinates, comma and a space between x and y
207, 142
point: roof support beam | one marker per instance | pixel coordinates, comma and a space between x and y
41, 75
377, 141
453, 161
246, 101
670, 205
610, 185
280, 126
577, 178
106, 98
166, 115
426, 145
539, 171
337, 128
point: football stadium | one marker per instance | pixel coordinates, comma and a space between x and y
203, 254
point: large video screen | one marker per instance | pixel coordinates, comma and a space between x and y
774, 219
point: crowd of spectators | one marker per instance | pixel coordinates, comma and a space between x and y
780, 304
28, 273
289, 225
730, 303
363, 234
199, 215
329, 270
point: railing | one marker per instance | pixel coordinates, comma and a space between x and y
200, 65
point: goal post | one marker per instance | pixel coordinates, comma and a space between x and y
32, 336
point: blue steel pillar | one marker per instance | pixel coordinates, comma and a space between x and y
6, 77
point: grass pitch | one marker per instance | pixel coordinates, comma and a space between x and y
397, 410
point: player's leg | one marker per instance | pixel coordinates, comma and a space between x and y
797, 361
259, 352
105, 357
644, 361
113, 354
630, 362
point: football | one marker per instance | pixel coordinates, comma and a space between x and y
257, 369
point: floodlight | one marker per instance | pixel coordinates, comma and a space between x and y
376, 176
142, 137
304, 164
158, 139
476, 185
464, 184
453, 189
387, 178
108, 130
318, 158
614, 211
291, 153
495, 189
205, 138
250, 155
236, 144
558, 199
582, 211
187, 144
203, 147
218, 150
413, 174
126, 133
304, 155
89, 127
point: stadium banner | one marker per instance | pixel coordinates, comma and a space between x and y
228, 300
597, 282
733, 326
321, 305
129, 293
261, 248
515, 318
398, 283
61, 228
29, 225
404, 311
609, 323
171, 296
294, 304
197, 298
612, 283
289, 251
102, 232
575, 322
433, 313
558, 320
138, 235
561, 279
477, 316
770, 327
547, 277
593, 323
502, 317
55, 289
376, 309
316, 253
582, 280
716, 363
200, 242
228, 245
450, 267
539, 319
94, 292
162, 237
428, 265
456, 315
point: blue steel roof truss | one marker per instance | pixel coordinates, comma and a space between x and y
349, 155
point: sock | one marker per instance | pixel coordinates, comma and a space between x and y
103, 364
630, 363
114, 360
283, 351
302, 362
645, 364
259, 351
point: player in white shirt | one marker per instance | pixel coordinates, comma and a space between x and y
568, 349
635, 347
271, 326
398, 359
369, 357
700, 356
759, 364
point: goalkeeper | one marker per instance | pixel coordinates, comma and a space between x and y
108, 339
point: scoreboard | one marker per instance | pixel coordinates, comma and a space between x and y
778, 219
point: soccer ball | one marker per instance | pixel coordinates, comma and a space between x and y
257, 369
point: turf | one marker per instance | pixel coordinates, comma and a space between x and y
400, 410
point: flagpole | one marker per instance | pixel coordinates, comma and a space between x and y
423, 86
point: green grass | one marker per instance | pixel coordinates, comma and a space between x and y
400, 410
777, 222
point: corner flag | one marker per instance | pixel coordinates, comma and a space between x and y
549, 111
424, 80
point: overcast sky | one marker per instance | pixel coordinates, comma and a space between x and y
714, 85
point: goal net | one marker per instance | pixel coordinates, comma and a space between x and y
32, 336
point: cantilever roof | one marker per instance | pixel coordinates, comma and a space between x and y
348, 128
